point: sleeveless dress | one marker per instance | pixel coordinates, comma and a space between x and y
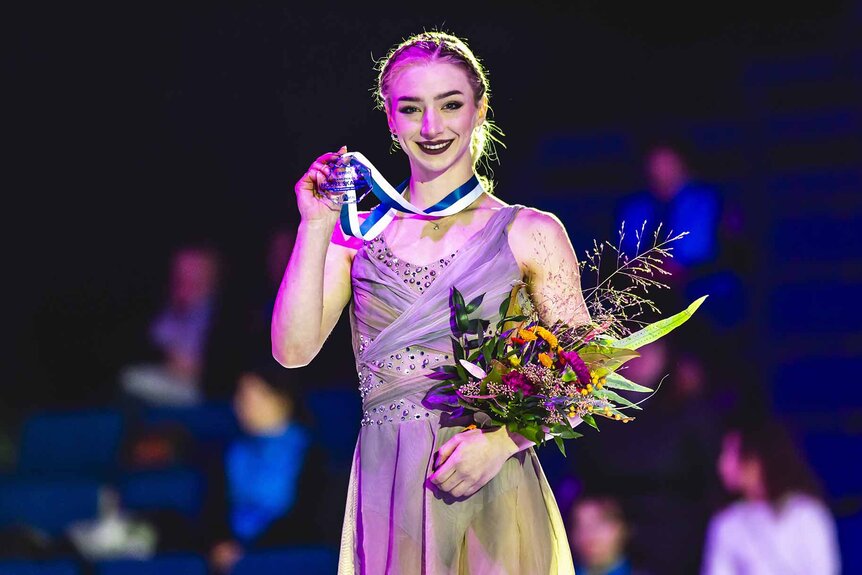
396, 521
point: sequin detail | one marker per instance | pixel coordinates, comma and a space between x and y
404, 362
418, 278
397, 411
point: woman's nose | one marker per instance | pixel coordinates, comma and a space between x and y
431, 124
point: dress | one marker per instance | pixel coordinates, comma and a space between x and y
396, 521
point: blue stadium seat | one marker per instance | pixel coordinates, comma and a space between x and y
794, 381
211, 422
167, 489
337, 432
38, 568
849, 536
305, 560
831, 238
831, 455
80, 442
163, 565
48, 504
818, 308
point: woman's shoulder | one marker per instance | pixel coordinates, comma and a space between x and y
528, 219
532, 223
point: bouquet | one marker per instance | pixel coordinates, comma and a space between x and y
541, 381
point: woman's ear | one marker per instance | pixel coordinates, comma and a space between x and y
482, 111
389, 120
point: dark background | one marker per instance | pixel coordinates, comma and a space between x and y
133, 128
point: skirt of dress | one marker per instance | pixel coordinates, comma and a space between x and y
397, 522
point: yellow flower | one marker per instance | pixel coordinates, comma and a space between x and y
547, 336
545, 360
515, 361
526, 335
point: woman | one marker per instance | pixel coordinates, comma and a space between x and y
780, 525
425, 497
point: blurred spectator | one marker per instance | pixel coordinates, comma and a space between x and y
268, 489
679, 202
660, 466
179, 333
711, 257
780, 525
599, 534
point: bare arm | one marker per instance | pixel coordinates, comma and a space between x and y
544, 251
316, 284
551, 268
313, 293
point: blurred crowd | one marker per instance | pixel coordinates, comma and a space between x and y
220, 452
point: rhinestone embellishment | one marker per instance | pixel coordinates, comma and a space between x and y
396, 412
416, 277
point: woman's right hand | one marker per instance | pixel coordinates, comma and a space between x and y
312, 206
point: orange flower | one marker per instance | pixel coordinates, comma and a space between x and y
547, 336
527, 335
545, 360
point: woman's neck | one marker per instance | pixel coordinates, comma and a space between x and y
426, 189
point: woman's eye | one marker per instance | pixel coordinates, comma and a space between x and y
408, 109
452, 105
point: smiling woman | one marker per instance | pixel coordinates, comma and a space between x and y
436, 94
429, 493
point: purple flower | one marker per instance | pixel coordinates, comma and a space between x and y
572, 359
517, 381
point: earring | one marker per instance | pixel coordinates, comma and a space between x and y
394, 136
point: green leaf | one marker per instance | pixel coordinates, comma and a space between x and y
457, 349
538, 436
457, 299
590, 420
617, 381
569, 375
504, 306
501, 347
658, 329
559, 441
474, 304
476, 326
462, 321
604, 359
613, 396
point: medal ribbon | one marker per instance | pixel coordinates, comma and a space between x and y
392, 201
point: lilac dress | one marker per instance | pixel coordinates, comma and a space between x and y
396, 521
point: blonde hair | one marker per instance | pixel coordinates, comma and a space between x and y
442, 46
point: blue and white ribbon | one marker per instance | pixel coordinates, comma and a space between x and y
392, 201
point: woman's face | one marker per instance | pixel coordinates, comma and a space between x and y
432, 109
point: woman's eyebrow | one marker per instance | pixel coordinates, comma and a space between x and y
438, 97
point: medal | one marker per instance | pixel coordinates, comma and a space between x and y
352, 177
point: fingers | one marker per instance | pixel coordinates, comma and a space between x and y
320, 168
447, 449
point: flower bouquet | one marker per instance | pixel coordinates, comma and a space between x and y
541, 381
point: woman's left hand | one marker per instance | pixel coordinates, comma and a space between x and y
470, 459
